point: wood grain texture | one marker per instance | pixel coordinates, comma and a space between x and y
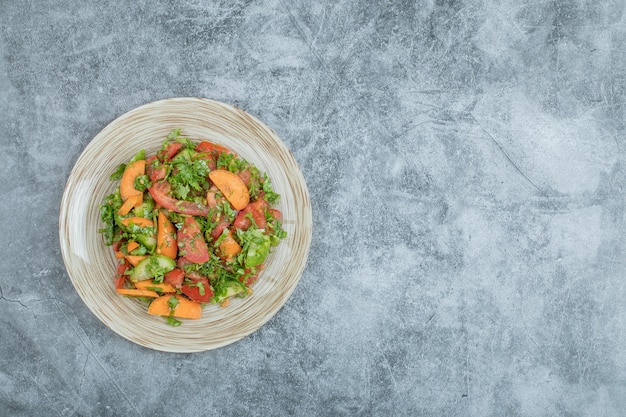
91, 264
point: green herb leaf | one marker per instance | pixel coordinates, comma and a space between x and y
172, 321
138, 156
172, 302
119, 171
108, 213
142, 182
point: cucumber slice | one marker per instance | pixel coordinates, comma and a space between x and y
151, 267
145, 209
230, 289
148, 241
185, 155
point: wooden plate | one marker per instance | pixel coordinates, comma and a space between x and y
91, 265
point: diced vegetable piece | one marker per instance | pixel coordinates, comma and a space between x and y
127, 183
219, 228
185, 155
184, 308
133, 201
175, 277
132, 246
135, 260
232, 187
166, 237
149, 284
230, 289
152, 267
159, 191
146, 207
229, 247
191, 242
148, 241
170, 150
256, 210
207, 147
137, 221
121, 277
199, 291
137, 293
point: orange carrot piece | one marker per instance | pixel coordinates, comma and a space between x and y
133, 201
232, 187
166, 237
137, 221
127, 183
132, 245
137, 293
135, 259
148, 284
119, 255
185, 309
229, 247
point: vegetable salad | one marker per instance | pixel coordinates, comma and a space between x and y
190, 225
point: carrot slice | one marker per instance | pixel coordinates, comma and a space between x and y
137, 293
132, 245
135, 259
127, 183
133, 201
232, 187
166, 237
185, 309
119, 255
229, 247
137, 221
148, 284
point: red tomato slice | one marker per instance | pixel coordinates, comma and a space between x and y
208, 147
245, 176
219, 228
191, 242
276, 214
248, 281
120, 278
194, 291
159, 192
257, 210
209, 159
169, 152
175, 277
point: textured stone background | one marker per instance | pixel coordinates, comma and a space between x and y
465, 161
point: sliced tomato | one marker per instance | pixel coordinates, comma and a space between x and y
276, 214
209, 147
199, 291
209, 158
247, 279
159, 192
257, 210
117, 245
169, 152
219, 228
175, 277
210, 197
120, 277
155, 173
191, 242
245, 176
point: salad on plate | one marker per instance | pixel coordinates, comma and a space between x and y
190, 225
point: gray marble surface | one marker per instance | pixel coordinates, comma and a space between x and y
466, 167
